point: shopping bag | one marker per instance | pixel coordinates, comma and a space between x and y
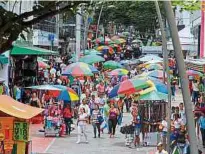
103, 125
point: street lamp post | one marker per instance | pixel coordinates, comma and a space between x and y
166, 69
183, 76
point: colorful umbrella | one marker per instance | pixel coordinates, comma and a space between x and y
154, 62
44, 87
154, 96
42, 59
66, 93
115, 37
157, 74
147, 58
90, 59
103, 40
105, 48
120, 41
154, 67
193, 73
159, 85
118, 72
43, 65
112, 65
130, 86
78, 69
61, 92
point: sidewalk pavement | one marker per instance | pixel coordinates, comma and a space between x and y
103, 145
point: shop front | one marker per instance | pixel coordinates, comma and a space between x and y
24, 65
14, 126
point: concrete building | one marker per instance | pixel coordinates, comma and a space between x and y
187, 39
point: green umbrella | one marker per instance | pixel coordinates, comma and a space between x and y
91, 59
112, 65
42, 59
154, 96
92, 52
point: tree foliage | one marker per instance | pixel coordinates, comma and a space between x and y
12, 25
188, 5
140, 14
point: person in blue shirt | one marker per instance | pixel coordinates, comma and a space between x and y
202, 127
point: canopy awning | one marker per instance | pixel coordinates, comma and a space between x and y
16, 109
30, 50
4, 59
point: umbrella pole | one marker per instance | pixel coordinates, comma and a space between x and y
166, 69
182, 73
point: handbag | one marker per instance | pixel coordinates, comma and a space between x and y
100, 118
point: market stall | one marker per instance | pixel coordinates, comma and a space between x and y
14, 125
24, 64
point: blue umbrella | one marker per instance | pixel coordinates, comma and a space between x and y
160, 86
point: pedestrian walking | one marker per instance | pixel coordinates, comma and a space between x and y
112, 122
202, 128
67, 115
81, 124
96, 120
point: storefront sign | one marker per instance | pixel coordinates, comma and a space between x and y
21, 132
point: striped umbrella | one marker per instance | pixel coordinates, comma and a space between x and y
43, 65
104, 40
193, 73
58, 91
65, 93
78, 69
112, 65
154, 67
157, 74
120, 41
105, 48
130, 86
159, 85
118, 72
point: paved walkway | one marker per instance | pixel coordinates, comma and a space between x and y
103, 145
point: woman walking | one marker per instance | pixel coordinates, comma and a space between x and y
81, 123
112, 122
67, 115
96, 116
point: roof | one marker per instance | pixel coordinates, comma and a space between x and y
30, 50
16, 109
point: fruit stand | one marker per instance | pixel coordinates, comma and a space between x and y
14, 125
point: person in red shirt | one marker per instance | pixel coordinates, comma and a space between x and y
67, 115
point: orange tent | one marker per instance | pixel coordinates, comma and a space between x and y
16, 109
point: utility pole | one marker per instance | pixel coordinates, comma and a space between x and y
183, 76
166, 143
99, 20
78, 34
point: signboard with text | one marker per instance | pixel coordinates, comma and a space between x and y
21, 131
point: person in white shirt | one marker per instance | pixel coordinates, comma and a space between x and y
195, 86
164, 130
160, 149
182, 114
85, 106
100, 102
177, 122
81, 124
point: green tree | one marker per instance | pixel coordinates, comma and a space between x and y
12, 25
140, 14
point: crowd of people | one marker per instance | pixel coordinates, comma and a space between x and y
103, 113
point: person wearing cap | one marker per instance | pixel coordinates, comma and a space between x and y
160, 149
